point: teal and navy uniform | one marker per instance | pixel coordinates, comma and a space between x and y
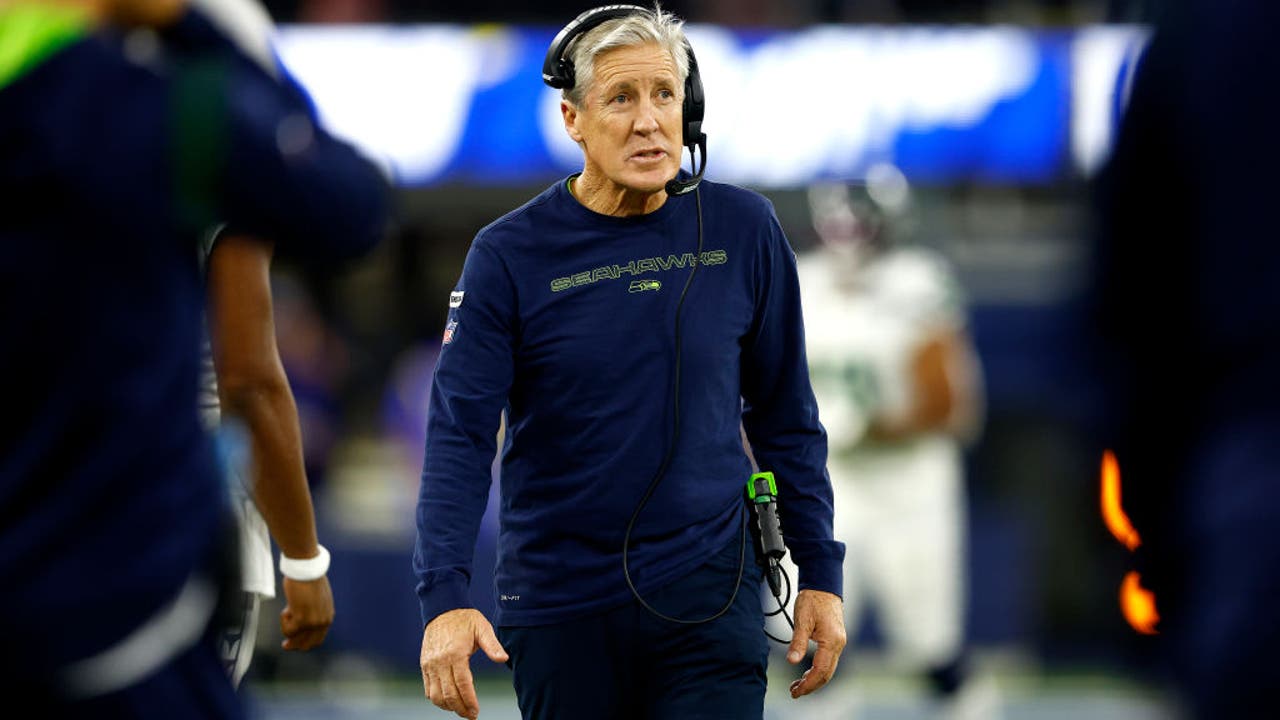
111, 163
565, 318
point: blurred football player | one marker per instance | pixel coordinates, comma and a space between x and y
899, 390
245, 383
244, 390
118, 150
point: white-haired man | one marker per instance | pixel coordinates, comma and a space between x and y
629, 326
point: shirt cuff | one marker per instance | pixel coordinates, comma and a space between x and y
821, 566
439, 596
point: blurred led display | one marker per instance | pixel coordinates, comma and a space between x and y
462, 104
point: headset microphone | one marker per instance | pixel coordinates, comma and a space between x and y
676, 186
695, 106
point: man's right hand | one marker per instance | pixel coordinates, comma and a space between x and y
447, 645
307, 614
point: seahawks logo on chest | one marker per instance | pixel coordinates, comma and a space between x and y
634, 268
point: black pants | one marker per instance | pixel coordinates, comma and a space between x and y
627, 664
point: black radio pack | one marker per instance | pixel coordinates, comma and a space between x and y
762, 499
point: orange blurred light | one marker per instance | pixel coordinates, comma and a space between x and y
1117, 521
1138, 605
1136, 602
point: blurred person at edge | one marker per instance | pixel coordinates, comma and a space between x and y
900, 389
1188, 301
117, 150
585, 370
244, 386
244, 389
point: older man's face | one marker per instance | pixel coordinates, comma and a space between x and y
630, 120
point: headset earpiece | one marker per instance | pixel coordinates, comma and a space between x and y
695, 102
693, 109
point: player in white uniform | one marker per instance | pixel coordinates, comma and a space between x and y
899, 391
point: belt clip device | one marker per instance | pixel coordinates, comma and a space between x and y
762, 498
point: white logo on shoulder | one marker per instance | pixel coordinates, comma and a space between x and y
509, 598
455, 299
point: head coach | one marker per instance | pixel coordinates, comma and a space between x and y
630, 321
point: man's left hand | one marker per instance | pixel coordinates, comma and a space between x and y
819, 617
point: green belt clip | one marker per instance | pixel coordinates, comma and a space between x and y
762, 488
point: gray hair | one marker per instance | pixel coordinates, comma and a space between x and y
650, 26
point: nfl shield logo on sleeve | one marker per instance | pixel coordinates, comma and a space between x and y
449, 330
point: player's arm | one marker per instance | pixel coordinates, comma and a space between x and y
945, 393
252, 387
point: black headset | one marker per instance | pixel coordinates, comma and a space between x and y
558, 72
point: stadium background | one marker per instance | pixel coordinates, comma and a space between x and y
1000, 173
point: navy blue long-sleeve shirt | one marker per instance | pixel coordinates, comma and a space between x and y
109, 168
565, 318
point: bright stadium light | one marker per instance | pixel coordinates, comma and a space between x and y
442, 103
1103, 61
401, 94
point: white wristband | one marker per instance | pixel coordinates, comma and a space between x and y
305, 570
